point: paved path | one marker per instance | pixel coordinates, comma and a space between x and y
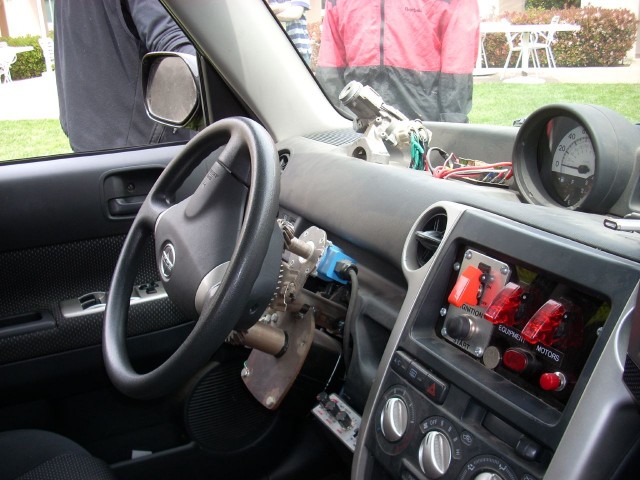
34, 98
629, 74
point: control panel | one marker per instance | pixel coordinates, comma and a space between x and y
532, 328
339, 418
519, 331
417, 437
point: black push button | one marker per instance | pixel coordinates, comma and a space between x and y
400, 362
417, 375
436, 389
528, 449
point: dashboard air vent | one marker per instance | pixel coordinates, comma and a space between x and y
429, 236
283, 156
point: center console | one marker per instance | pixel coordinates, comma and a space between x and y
502, 334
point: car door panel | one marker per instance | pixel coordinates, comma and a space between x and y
59, 242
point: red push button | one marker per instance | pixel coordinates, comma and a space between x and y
515, 360
503, 308
552, 382
467, 287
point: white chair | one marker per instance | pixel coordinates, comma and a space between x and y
515, 43
46, 44
483, 52
7, 57
547, 40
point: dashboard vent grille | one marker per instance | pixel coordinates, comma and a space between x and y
429, 236
335, 137
631, 378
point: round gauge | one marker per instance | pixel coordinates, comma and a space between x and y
573, 167
579, 157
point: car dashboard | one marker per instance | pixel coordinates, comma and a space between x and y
496, 323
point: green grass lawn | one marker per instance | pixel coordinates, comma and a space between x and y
493, 103
501, 103
32, 138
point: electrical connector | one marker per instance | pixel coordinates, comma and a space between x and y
334, 265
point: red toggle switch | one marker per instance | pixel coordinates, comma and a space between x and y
467, 287
504, 306
553, 382
542, 326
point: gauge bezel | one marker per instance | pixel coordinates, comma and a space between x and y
613, 166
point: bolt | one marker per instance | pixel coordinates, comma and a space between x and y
478, 351
504, 270
304, 235
274, 317
245, 372
131, 187
291, 263
443, 312
443, 332
599, 331
306, 270
456, 266
468, 255
270, 401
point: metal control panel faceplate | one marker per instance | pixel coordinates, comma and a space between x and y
495, 275
349, 435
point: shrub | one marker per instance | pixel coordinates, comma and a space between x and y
549, 4
604, 38
28, 64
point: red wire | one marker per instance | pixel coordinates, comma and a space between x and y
440, 172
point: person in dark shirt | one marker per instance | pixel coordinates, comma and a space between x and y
98, 47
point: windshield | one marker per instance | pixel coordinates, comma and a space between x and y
486, 62
489, 62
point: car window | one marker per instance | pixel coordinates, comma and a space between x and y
477, 61
71, 78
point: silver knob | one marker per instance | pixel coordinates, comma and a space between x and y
394, 419
488, 476
435, 454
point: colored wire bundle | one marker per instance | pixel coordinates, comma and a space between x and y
472, 171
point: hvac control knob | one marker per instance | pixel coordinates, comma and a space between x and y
435, 454
394, 419
488, 476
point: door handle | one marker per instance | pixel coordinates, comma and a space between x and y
124, 190
125, 206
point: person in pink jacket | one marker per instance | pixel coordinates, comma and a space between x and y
418, 55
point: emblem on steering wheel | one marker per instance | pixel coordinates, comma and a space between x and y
168, 260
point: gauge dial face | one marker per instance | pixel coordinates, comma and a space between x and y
573, 167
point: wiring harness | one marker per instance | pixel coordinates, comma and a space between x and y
449, 166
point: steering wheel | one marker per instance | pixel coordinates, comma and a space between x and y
218, 252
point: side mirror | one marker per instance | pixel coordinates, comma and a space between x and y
171, 89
